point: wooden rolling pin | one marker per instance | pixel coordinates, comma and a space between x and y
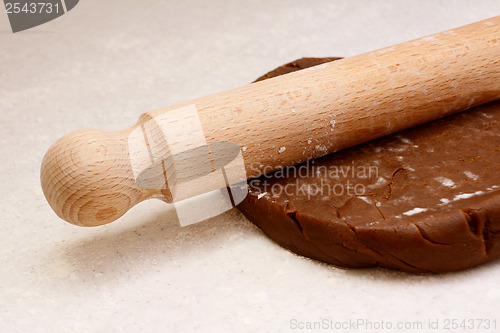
88, 177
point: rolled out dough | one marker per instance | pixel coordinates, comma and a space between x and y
423, 200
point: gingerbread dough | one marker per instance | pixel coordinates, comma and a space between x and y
423, 200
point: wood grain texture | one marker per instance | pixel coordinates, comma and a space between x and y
87, 177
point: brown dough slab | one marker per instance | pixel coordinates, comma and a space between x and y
422, 200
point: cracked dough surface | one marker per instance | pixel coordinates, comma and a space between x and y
423, 200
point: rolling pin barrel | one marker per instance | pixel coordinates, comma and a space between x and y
90, 177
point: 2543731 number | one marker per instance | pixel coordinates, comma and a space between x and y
470, 324
32, 8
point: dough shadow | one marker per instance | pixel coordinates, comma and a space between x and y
386, 274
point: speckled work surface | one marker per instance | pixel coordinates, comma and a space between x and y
101, 66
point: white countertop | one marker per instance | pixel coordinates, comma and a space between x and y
101, 66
